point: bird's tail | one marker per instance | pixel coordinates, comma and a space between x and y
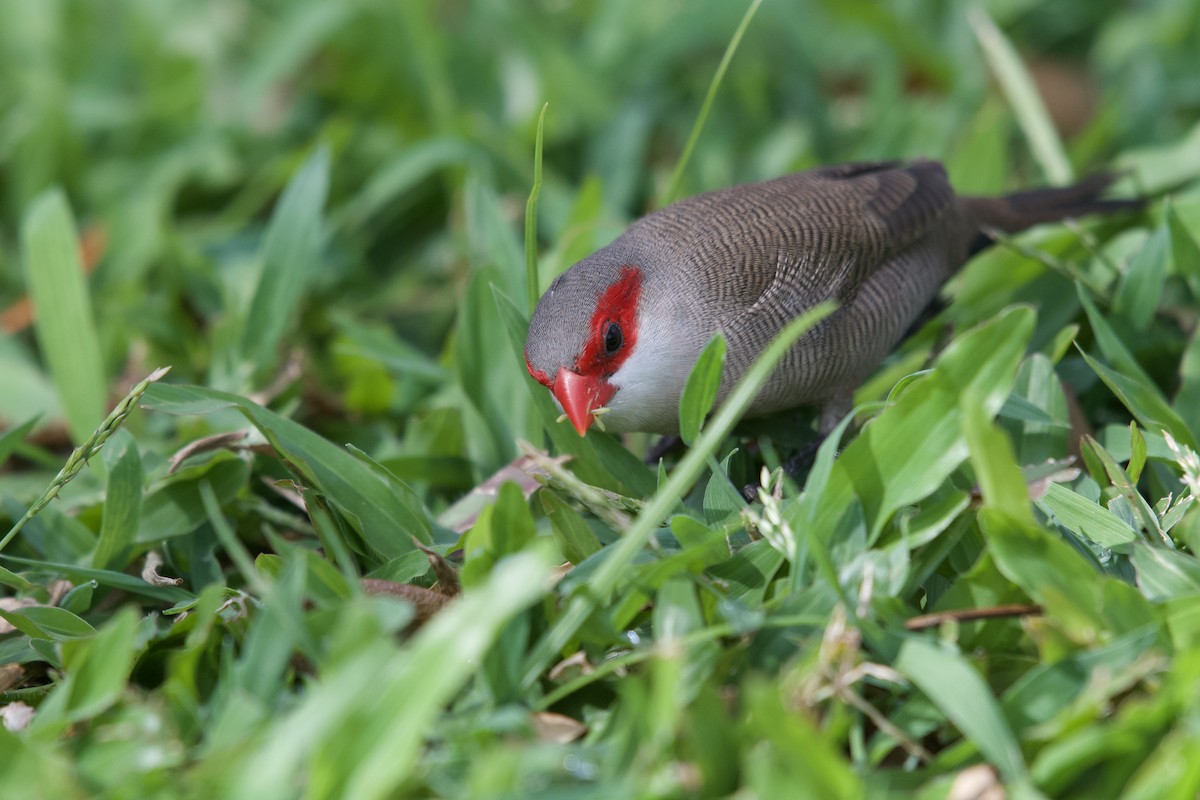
1016, 212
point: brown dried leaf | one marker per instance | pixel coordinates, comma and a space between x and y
11, 675
426, 602
577, 664
150, 574
218, 441
443, 570
14, 604
978, 782
557, 728
525, 471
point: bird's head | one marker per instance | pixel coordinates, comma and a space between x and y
606, 337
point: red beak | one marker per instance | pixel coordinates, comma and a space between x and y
579, 395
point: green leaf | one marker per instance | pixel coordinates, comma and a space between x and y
359, 728
996, 468
47, 622
122, 510
1018, 86
117, 580
12, 438
532, 283
1080, 515
65, 327
1110, 343
700, 391
97, 670
290, 256
944, 676
673, 187
385, 513
572, 534
1143, 401
917, 442
1164, 574
1056, 576
1141, 284
1137, 453
1185, 251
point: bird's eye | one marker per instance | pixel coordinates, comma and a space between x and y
612, 338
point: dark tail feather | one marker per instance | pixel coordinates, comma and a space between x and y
1016, 212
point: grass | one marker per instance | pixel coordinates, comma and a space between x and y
313, 215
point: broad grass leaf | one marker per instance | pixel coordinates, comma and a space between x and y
110, 578
979, 163
1000, 479
1086, 605
97, 670
1137, 453
1018, 86
789, 756
290, 256
1185, 251
1047, 688
12, 438
910, 449
378, 704
173, 508
532, 281
574, 537
1111, 346
1187, 398
385, 513
276, 631
700, 391
122, 510
721, 498
1143, 401
676, 610
1085, 518
943, 675
487, 375
46, 622
1163, 574
1141, 285
65, 325
398, 175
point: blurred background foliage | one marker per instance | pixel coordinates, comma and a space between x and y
312, 203
173, 127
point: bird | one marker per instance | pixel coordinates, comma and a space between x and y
619, 331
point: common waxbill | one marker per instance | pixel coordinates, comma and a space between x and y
622, 329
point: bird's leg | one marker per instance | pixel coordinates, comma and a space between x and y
834, 410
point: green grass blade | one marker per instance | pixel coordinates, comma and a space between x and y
290, 258
1023, 96
532, 283
958, 691
122, 511
698, 127
65, 326
700, 391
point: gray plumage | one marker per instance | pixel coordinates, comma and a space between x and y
878, 238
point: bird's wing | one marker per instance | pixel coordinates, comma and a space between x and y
781, 245
852, 219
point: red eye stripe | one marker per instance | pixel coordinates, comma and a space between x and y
618, 304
